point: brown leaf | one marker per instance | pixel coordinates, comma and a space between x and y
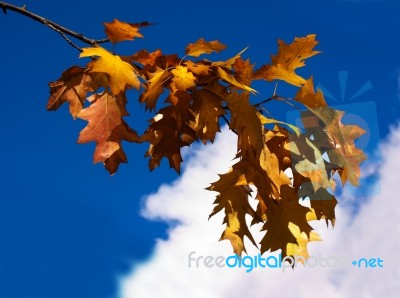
199, 69
204, 47
208, 109
120, 133
247, 124
234, 200
144, 57
243, 71
279, 214
72, 87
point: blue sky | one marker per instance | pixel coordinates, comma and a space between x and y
68, 229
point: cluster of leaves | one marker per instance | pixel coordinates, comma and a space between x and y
283, 163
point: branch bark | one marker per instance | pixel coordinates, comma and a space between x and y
64, 32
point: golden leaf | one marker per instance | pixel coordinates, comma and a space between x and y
122, 75
204, 47
289, 57
183, 79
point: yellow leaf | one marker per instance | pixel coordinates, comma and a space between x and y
302, 239
289, 57
120, 31
265, 120
154, 88
204, 47
231, 79
230, 62
122, 74
307, 96
183, 78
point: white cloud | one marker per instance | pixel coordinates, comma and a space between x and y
374, 232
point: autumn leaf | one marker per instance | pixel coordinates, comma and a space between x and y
120, 133
119, 31
199, 69
183, 78
307, 96
121, 74
281, 162
208, 109
204, 47
343, 152
243, 71
164, 139
154, 87
233, 200
72, 87
279, 214
230, 62
302, 239
314, 170
231, 79
144, 57
103, 115
247, 124
289, 58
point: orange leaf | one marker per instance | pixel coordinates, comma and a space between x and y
289, 57
204, 47
103, 115
120, 31
307, 96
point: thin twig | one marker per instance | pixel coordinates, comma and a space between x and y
52, 25
265, 101
65, 37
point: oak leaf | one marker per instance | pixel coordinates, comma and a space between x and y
121, 74
183, 78
103, 115
72, 87
204, 47
154, 87
119, 31
279, 214
120, 133
343, 151
208, 109
307, 96
165, 135
231, 79
289, 58
245, 121
302, 239
199, 69
234, 201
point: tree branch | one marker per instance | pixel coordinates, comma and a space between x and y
52, 25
